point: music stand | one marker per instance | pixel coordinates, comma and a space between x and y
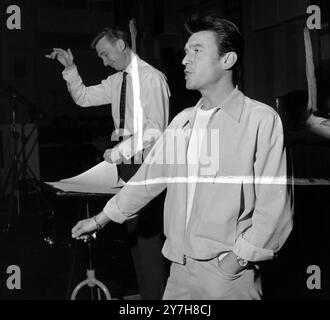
91, 281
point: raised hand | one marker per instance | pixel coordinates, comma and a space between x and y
63, 56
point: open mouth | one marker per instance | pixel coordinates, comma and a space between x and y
188, 74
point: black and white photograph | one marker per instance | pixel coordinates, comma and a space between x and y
156, 150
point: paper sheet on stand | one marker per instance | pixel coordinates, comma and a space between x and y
102, 178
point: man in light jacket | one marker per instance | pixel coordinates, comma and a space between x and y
223, 163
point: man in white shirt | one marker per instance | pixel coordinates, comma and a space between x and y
113, 48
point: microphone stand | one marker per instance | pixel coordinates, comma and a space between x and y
14, 202
19, 168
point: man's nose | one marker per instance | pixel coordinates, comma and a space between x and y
186, 60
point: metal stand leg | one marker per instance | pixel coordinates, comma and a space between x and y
91, 280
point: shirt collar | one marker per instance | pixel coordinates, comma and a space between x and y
129, 67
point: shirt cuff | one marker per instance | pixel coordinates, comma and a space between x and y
113, 212
68, 72
250, 252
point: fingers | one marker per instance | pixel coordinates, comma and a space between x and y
77, 230
60, 52
76, 227
107, 155
83, 238
51, 56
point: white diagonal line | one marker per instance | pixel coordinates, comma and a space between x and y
234, 180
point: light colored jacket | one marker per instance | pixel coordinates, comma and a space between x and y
242, 200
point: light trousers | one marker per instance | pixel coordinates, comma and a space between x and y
205, 280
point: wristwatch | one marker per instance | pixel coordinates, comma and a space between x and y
242, 262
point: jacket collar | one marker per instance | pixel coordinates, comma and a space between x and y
233, 106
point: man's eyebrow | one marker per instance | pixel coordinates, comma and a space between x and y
193, 46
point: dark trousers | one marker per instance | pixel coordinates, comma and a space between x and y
145, 234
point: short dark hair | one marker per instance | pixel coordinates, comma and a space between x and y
112, 34
227, 35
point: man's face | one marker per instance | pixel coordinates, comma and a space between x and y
110, 53
203, 66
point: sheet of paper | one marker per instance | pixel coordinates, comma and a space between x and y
102, 178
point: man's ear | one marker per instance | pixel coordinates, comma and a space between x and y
229, 60
121, 44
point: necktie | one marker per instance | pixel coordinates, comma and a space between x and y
125, 170
122, 103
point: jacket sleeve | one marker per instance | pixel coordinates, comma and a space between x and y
272, 216
86, 96
146, 184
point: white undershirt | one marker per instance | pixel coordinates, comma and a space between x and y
193, 154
